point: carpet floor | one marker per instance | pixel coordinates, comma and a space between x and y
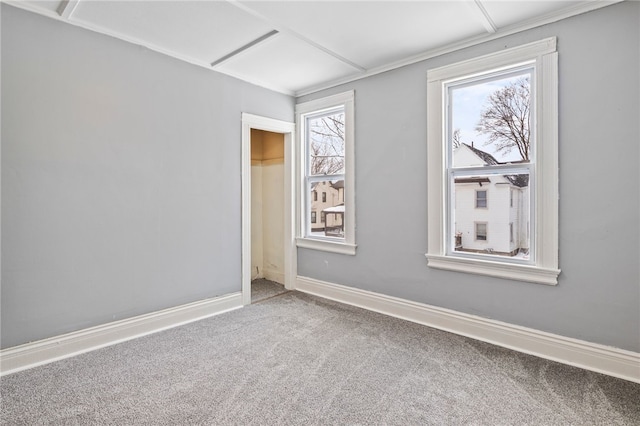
296, 359
263, 289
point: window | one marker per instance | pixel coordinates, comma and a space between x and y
326, 134
313, 217
481, 199
472, 105
481, 231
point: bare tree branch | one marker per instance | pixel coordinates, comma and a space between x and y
506, 118
457, 141
327, 145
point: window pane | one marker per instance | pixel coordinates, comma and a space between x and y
331, 208
481, 231
481, 199
325, 135
490, 121
500, 228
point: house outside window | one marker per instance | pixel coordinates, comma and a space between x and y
326, 133
470, 105
313, 217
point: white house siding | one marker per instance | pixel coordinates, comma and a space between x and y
519, 216
497, 215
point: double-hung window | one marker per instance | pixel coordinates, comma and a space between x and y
492, 147
325, 164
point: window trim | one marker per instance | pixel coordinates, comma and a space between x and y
545, 169
348, 245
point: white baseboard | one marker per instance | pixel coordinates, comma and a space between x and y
55, 348
589, 356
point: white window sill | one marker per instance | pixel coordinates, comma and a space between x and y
326, 245
511, 271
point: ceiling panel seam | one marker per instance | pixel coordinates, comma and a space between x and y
487, 22
555, 16
247, 46
286, 30
67, 7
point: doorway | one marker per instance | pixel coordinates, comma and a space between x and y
268, 208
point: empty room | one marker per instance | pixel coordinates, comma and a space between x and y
320, 212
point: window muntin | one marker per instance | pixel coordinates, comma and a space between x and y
540, 226
326, 166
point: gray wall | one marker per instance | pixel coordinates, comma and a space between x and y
120, 178
598, 295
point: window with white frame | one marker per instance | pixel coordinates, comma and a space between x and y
326, 136
492, 134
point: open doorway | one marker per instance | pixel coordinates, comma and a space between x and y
267, 214
268, 247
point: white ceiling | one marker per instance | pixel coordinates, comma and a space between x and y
296, 47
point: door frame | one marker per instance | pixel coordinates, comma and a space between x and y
251, 121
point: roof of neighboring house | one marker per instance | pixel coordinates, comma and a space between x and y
479, 180
335, 184
489, 159
520, 181
336, 209
338, 184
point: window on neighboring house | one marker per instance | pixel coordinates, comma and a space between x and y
313, 217
326, 133
492, 131
481, 231
481, 199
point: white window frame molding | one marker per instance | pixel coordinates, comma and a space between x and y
348, 245
545, 270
